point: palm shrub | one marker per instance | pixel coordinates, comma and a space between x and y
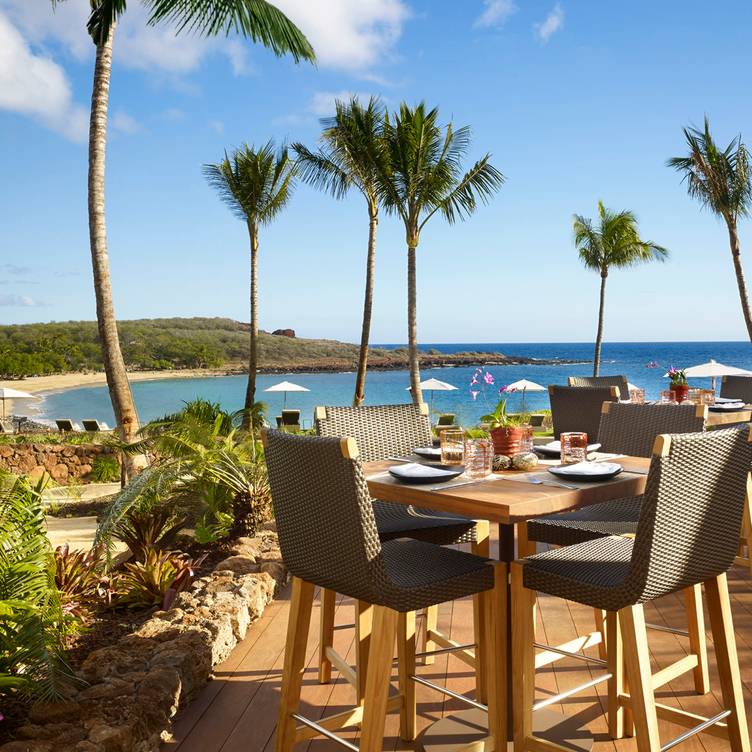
33, 623
720, 180
420, 175
614, 242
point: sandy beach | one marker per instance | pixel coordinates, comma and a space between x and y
42, 385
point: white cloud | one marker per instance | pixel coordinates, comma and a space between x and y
348, 35
34, 85
495, 13
553, 22
218, 126
14, 269
123, 122
322, 102
18, 301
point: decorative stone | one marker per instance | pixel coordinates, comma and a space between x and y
524, 461
501, 462
55, 712
238, 564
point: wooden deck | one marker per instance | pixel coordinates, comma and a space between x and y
237, 711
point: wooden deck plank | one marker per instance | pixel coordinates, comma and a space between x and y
237, 711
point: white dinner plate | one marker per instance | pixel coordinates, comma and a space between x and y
590, 471
554, 448
429, 453
727, 407
414, 472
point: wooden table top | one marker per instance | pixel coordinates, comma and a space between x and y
506, 497
728, 418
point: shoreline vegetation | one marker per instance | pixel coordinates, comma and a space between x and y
55, 356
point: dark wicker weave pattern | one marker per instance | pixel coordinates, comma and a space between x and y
627, 429
328, 535
688, 530
737, 387
578, 408
620, 381
395, 430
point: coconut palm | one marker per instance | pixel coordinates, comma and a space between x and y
256, 184
257, 20
720, 180
614, 243
351, 144
420, 176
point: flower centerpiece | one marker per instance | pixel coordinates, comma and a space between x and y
679, 388
507, 431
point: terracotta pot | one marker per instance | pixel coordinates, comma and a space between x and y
680, 392
507, 440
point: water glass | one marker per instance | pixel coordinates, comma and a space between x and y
452, 447
667, 396
573, 447
479, 454
637, 396
526, 442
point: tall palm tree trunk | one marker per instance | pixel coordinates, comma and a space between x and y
250, 392
412, 327
365, 334
741, 283
599, 334
114, 366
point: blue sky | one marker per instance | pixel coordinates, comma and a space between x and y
576, 100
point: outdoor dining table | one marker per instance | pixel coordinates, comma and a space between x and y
729, 418
508, 499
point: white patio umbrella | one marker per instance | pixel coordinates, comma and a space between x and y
434, 385
14, 394
524, 385
285, 387
712, 370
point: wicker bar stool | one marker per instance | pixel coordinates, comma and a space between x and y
578, 408
620, 381
686, 536
328, 537
383, 431
630, 429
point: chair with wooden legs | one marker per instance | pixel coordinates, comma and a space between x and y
686, 537
328, 537
578, 408
631, 429
384, 431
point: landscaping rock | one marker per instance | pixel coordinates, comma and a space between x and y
239, 564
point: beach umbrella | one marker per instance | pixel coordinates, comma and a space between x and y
285, 387
524, 385
712, 370
434, 385
13, 394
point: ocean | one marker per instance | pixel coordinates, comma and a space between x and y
156, 398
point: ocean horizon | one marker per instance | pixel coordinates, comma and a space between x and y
159, 397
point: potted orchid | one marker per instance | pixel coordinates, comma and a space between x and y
679, 388
507, 431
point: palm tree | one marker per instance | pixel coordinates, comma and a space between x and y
615, 242
720, 180
256, 184
419, 176
257, 20
352, 143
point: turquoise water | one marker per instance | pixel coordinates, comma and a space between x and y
155, 398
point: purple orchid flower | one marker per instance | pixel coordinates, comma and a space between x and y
474, 394
488, 378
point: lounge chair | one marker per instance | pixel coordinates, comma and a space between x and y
6, 427
94, 426
737, 387
620, 381
65, 425
290, 420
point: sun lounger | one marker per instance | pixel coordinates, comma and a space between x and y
65, 425
94, 426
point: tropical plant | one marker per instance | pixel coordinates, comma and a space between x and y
33, 624
720, 180
105, 469
677, 376
257, 20
352, 145
156, 580
614, 243
256, 184
150, 528
419, 176
80, 579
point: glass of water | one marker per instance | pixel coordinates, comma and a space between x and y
452, 447
573, 447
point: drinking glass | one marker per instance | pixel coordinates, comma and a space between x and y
452, 447
479, 454
526, 442
637, 396
667, 395
573, 447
